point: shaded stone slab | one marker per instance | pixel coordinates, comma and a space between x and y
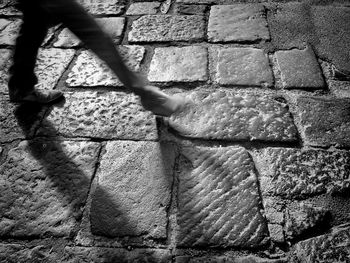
242, 66
134, 190
190, 9
143, 8
88, 70
103, 7
162, 28
44, 185
239, 23
325, 121
332, 247
299, 69
293, 173
218, 199
181, 64
113, 26
7, 8
5, 58
107, 115
9, 32
235, 116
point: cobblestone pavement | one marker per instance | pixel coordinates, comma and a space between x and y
256, 170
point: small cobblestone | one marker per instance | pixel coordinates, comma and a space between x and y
242, 66
276, 233
103, 7
143, 8
5, 56
191, 9
164, 28
239, 23
180, 64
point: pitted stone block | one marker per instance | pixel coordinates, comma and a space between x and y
88, 70
219, 202
239, 23
133, 191
44, 185
143, 8
103, 7
242, 66
293, 173
5, 58
182, 64
299, 69
235, 116
8, 31
107, 115
325, 121
162, 28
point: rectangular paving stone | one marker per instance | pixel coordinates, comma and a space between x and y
44, 185
324, 121
108, 115
9, 31
103, 7
89, 71
143, 8
218, 199
242, 66
234, 116
180, 64
164, 28
298, 174
134, 190
299, 69
237, 23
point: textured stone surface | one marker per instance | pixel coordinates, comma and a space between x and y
242, 66
190, 9
43, 187
293, 173
165, 7
273, 210
113, 26
325, 121
227, 259
340, 89
89, 70
299, 69
332, 247
103, 7
234, 116
143, 8
9, 31
100, 115
133, 192
237, 23
182, 64
7, 8
160, 28
219, 203
276, 232
5, 56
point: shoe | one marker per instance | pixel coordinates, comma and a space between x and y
41, 97
153, 99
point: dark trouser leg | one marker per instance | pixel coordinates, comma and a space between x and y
32, 33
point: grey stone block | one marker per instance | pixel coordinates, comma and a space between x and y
143, 8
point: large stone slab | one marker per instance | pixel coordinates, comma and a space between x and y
103, 7
242, 66
110, 115
163, 28
180, 64
293, 173
299, 69
332, 247
237, 23
89, 70
134, 190
218, 199
8, 31
325, 121
44, 185
235, 116
143, 8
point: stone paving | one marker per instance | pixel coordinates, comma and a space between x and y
256, 169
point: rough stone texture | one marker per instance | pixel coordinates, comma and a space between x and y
191, 9
7, 8
227, 259
107, 115
44, 184
239, 23
276, 233
67, 39
103, 7
299, 69
234, 116
218, 199
242, 66
133, 192
18, 122
165, 7
340, 89
9, 31
162, 28
5, 56
292, 173
325, 121
181, 64
273, 210
332, 247
89, 70
143, 8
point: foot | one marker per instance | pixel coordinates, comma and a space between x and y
41, 97
153, 99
